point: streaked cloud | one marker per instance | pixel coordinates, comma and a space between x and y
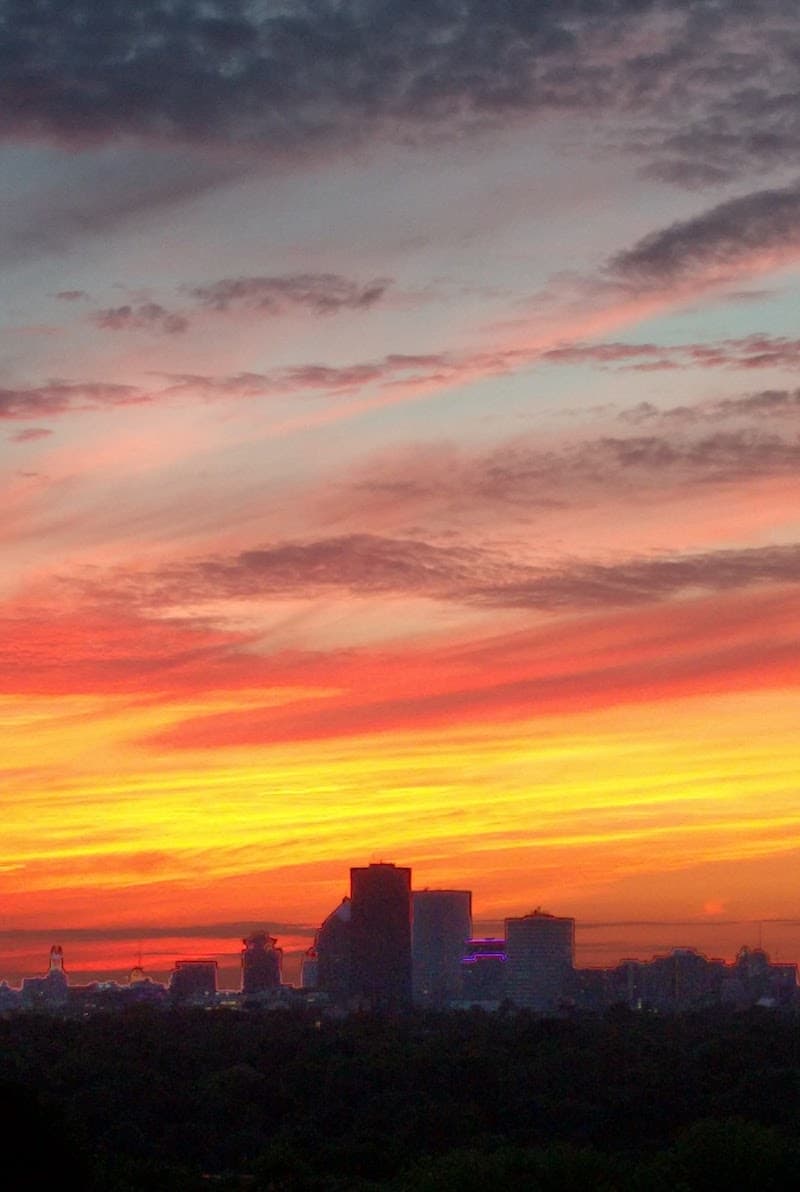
749, 352
267, 297
61, 397
375, 565
323, 293
31, 434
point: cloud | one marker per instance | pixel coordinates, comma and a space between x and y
61, 397
777, 404
361, 563
289, 78
642, 656
71, 295
639, 629
719, 244
748, 352
377, 565
89, 194
689, 449
31, 434
320, 378
103, 646
644, 581
321, 293
147, 316
324, 293
154, 931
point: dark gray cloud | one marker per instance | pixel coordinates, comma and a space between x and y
144, 316
71, 295
718, 242
748, 122
324, 293
720, 78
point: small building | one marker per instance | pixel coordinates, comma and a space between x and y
262, 960
483, 969
51, 990
193, 981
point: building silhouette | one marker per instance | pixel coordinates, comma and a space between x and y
52, 989
483, 972
441, 923
541, 960
193, 980
261, 964
309, 968
333, 948
380, 934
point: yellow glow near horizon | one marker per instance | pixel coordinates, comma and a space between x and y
563, 807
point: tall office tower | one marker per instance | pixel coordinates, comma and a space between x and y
193, 980
441, 923
380, 925
541, 951
261, 964
334, 960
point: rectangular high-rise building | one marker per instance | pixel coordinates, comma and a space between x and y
441, 924
541, 951
380, 936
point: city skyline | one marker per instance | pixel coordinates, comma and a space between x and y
400, 451
222, 943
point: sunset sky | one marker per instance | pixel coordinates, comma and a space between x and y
400, 430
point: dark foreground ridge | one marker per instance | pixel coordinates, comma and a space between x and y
421, 1102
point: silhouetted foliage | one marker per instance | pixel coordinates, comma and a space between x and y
274, 1102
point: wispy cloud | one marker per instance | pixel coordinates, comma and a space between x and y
688, 450
61, 397
31, 434
749, 352
147, 316
323, 293
266, 297
652, 654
